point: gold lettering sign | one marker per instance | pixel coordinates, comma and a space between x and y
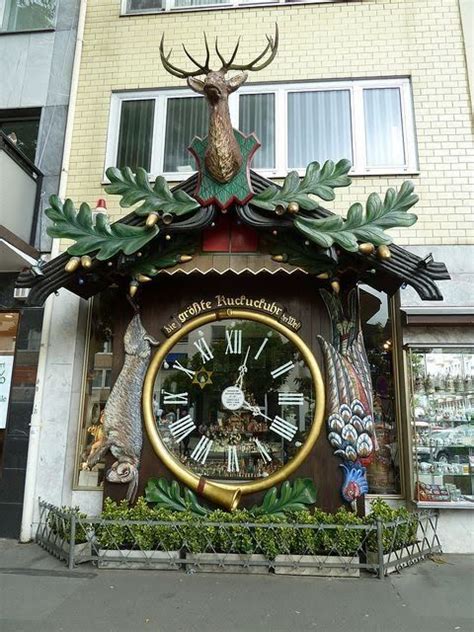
260, 304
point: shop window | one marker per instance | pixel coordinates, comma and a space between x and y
8, 333
21, 127
97, 383
442, 424
370, 123
383, 474
27, 15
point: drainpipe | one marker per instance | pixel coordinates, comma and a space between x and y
30, 498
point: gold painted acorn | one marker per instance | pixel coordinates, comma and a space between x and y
142, 278
383, 252
367, 248
86, 262
72, 264
151, 220
280, 258
323, 275
293, 208
335, 286
184, 258
133, 287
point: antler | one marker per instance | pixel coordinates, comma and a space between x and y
253, 65
179, 72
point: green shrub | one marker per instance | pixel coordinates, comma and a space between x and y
234, 538
402, 533
166, 537
114, 536
274, 540
61, 525
347, 541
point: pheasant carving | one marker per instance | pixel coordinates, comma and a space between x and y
350, 412
223, 157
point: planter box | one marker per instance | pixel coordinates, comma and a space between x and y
226, 563
83, 550
372, 558
321, 565
157, 560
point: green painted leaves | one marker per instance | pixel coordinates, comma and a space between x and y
320, 181
293, 497
360, 225
136, 188
165, 255
162, 493
99, 235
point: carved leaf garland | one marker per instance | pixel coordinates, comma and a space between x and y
360, 225
320, 181
164, 256
94, 235
160, 492
135, 187
293, 497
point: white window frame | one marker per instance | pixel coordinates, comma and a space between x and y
3, 10
230, 4
281, 90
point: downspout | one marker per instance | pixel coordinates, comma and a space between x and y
30, 499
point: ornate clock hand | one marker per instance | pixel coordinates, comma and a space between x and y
255, 410
243, 369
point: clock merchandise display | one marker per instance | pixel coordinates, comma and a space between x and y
233, 403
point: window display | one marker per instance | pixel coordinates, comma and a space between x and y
383, 474
442, 382
96, 390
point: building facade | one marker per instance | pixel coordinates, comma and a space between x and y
37, 46
382, 83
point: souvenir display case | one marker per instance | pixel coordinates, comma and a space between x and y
442, 424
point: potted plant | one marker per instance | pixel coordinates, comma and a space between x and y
399, 534
142, 539
227, 545
319, 551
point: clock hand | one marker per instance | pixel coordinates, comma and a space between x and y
255, 410
243, 370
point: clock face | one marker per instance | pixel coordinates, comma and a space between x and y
234, 398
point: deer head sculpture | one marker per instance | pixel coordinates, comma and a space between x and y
223, 158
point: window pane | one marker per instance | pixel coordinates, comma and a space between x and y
257, 114
180, 4
23, 132
136, 134
144, 5
319, 127
383, 474
383, 127
186, 117
24, 15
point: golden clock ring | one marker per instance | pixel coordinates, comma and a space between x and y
228, 494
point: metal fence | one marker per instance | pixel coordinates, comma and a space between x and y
197, 545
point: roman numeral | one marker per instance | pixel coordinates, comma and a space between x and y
182, 427
189, 372
284, 368
175, 398
232, 460
202, 449
263, 451
283, 428
291, 399
234, 341
261, 348
203, 348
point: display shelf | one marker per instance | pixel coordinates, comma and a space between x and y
442, 425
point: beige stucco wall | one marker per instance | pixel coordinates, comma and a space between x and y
422, 39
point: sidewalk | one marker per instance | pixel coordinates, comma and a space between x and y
38, 593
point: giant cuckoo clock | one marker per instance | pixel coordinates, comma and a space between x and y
248, 384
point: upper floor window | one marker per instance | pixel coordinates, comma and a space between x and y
27, 15
369, 122
152, 6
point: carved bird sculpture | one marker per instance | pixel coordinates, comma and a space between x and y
350, 422
122, 423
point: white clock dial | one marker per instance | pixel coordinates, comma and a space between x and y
234, 400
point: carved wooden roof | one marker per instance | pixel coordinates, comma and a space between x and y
388, 275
